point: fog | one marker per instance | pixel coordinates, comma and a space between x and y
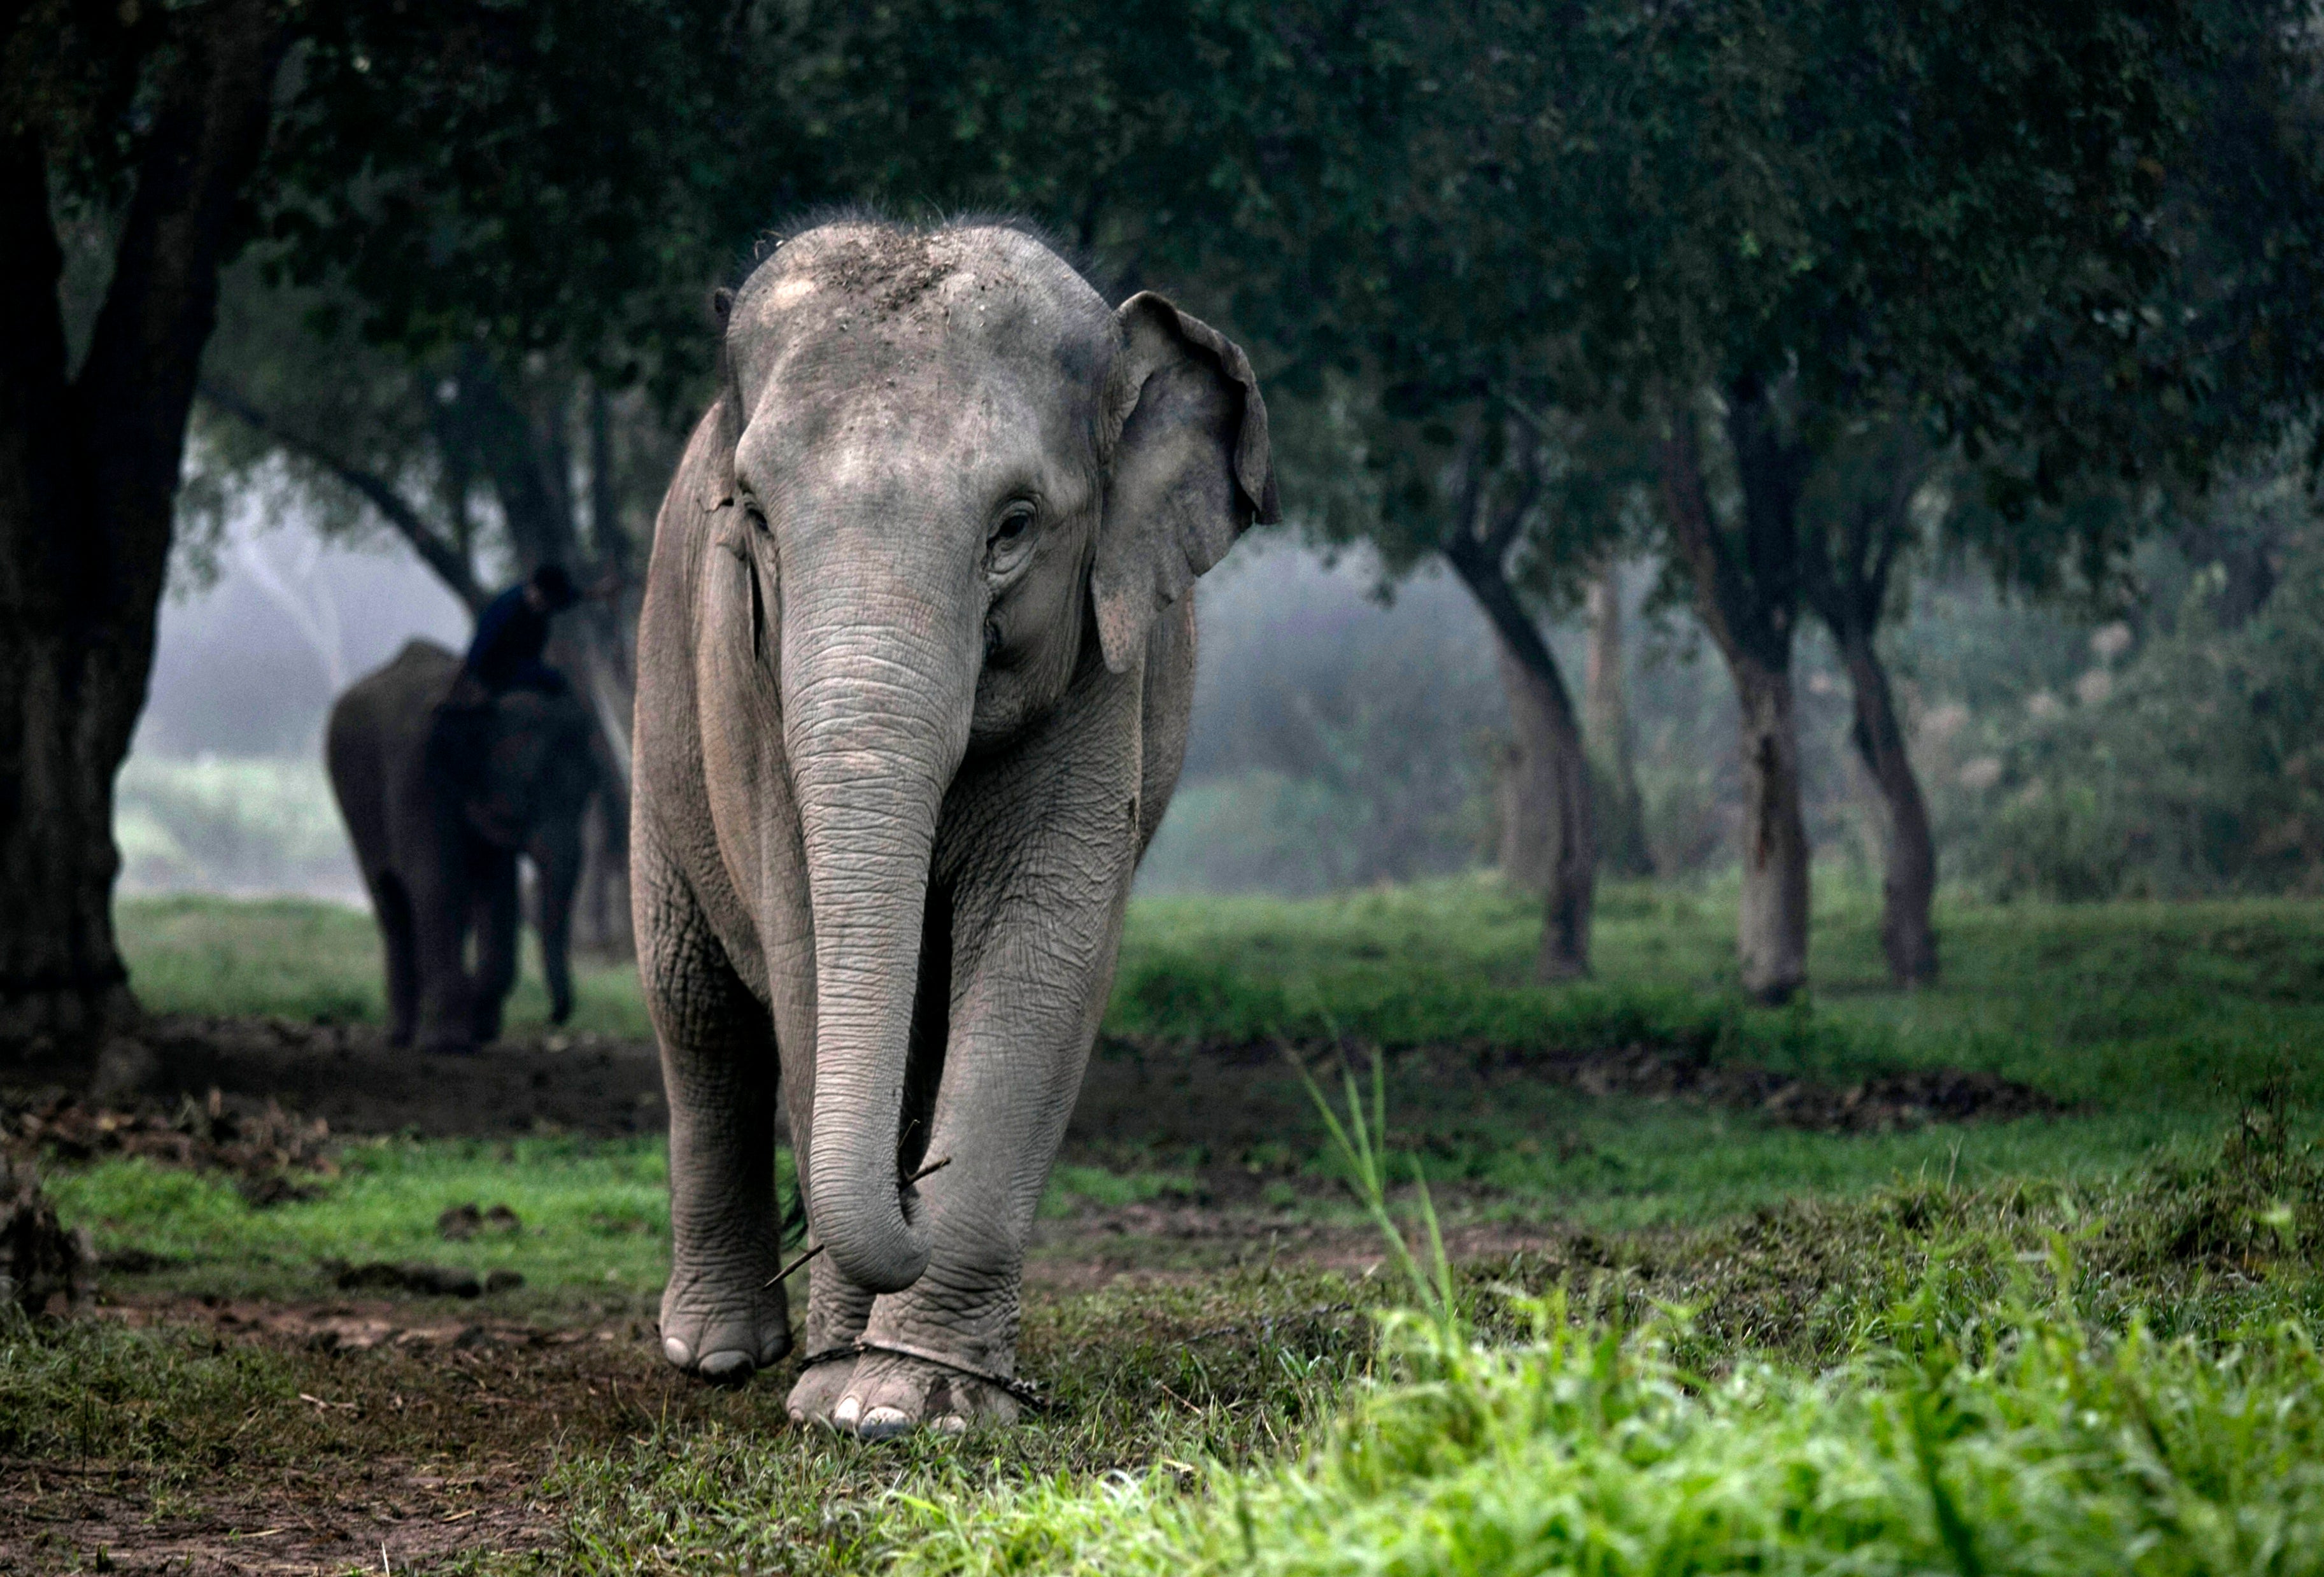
224, 790
1337, 740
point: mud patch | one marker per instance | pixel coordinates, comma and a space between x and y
356, 1326
265, 1148
388, 1435
370, 1516
886, 266
1890, 1103
346, 1076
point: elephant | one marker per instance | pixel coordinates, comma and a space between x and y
916, 665
437, 808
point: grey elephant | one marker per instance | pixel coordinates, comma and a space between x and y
438, 818
914, 667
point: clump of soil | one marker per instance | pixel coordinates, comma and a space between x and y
428, 1280
264, 1147
463, 1221
43, 1268
1888, 1103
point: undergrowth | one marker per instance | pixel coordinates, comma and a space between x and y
2021, 1432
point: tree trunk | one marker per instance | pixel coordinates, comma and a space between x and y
1527, 790
1906, 934
1541, 708
88, 478
1747, 602
1605, 713
1771, 925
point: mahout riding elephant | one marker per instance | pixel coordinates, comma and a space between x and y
914, 674
439, 805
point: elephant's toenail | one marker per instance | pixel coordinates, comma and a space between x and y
883, 1423
677, 1351
730, 1368
950, 1423
849, 1410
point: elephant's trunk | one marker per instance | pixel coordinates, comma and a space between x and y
876, 704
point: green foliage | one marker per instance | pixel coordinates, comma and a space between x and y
2031, 1445
2190, 768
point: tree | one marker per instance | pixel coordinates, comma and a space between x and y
1606, 721
1909, 196
493, 165
89, 455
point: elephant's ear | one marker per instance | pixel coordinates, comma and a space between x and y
722, 424
1189, 468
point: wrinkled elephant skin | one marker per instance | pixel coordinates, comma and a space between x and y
438, 848
914, 671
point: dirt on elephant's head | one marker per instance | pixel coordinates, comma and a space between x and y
880, 269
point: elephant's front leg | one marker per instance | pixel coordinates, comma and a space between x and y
1032, 965
722, 1316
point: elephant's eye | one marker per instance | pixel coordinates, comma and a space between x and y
1009, 534
757, 516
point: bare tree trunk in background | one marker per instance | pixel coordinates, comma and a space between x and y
1746, 595
1771, 924
1847, 578
1529, 785
1605, 713
88, 479
1477, 550
1909, 887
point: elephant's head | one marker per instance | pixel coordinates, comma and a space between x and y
536, 772
966, 483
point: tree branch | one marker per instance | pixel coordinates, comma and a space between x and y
1723, 598
451, 565
136, 383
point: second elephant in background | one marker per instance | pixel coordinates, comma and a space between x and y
438, 815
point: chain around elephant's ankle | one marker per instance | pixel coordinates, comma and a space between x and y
1023, 1391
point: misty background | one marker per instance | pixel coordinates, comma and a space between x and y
1344, 737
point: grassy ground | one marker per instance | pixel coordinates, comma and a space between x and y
1891, 1351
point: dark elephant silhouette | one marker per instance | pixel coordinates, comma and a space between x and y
438, 804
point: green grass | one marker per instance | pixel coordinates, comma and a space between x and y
2035, 1448
2159, 1020
320, 961
595, 1219
2127, 1003
2060, 1345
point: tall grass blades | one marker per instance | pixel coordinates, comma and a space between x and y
1583, 1452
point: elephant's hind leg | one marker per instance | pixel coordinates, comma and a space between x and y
493, 923
393, 905
720, 1319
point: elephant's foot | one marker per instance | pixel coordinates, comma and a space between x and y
724, 1329
881, 1395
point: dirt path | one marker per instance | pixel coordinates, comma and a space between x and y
405, 1440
